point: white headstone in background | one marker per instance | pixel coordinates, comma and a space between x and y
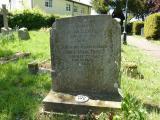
4, 12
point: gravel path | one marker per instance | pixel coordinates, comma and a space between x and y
148, 47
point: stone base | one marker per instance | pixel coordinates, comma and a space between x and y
61, 102
5, 31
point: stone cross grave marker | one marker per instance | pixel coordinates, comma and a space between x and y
4, 12
86, 57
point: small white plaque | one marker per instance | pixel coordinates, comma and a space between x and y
81, 98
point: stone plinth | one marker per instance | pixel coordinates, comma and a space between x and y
62, 102
5, 30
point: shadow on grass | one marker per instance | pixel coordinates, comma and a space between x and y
151, 108
20, 92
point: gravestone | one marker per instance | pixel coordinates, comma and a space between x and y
4, 12
23, 34
1, 21
142, 31
86, 56
33, 67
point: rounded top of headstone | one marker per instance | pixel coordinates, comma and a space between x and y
23, 29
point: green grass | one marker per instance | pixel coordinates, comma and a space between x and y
147, 89
21, 93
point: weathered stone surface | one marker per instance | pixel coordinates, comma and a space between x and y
23, 34
86, 53
33, 67
62, 102
132, 70
86, 57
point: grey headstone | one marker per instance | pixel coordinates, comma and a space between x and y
23, 34
86, 55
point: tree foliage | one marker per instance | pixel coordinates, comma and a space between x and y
154, 5
138, 8
101, 6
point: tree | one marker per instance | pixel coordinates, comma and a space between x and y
154, 6
100, 6
139, 8
118, 10
103, 6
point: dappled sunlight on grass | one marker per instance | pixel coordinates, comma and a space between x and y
147, 89
21, 93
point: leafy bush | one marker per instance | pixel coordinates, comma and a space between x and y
152, 26
136, 28
32, 19
132, 108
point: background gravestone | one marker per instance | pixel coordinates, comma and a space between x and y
1, 21
142, 31
23, 34
86, 54
4, 12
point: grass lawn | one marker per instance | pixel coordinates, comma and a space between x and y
156, 42
147, 89
21, 93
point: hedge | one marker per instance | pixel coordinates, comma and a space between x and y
32, 19
137, 26
152, 26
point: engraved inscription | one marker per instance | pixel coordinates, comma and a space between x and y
85, 50
84, 53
